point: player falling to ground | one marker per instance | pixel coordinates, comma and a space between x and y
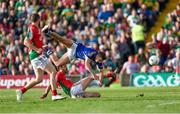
72, 89
40, 63
78, 51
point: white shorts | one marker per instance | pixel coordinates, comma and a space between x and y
71, 52
77, 90
40, 62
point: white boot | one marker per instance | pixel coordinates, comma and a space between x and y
19, 95
57, 97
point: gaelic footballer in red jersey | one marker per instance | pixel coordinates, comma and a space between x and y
74, 90
40, 63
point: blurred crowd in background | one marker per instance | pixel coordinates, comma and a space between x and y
166, 43
117, 27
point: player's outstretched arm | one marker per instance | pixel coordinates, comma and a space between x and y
46, 92
89, 68
101, 76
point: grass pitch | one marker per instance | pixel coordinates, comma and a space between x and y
113, 100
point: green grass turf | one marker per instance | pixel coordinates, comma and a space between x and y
161, 99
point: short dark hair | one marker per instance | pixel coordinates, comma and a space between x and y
35, 17
102, 55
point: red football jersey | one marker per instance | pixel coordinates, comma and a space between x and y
34, 35
61, 78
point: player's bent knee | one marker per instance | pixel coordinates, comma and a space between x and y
38, 80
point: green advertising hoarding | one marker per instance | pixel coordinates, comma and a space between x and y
155, 79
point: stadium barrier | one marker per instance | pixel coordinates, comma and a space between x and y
155, 79
18, 81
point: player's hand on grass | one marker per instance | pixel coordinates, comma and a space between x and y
44, 96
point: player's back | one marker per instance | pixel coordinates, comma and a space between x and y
83, 51
35, 36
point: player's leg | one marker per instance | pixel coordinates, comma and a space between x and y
85, 82
39, 77
52, 72
50, 69
39, 73
63, 60
67, 42
91, 95
79, 89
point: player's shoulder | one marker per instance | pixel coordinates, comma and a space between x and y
32, 27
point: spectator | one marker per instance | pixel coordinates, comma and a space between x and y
105, 13
164, 47
129, 68
175, 62
68, 13
146, 16
140, 57
168, 22
151, 4
168, 67
133, 18
127, 10
1, 69
178, 9
138, 36
123, 48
